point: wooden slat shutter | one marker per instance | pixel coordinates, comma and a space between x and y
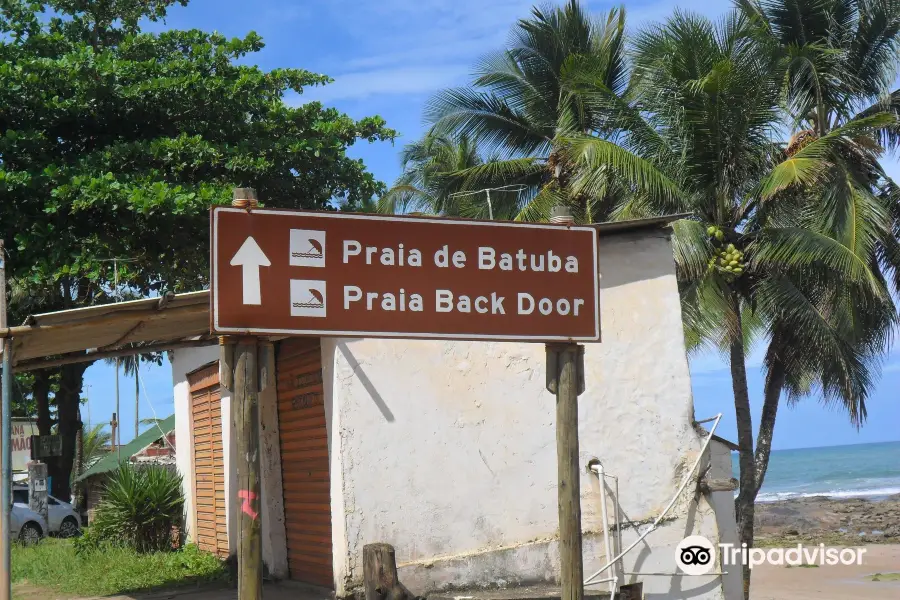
211, 532
304, 459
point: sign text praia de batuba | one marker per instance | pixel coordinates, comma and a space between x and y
345, 274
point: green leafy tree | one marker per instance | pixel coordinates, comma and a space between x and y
114, 143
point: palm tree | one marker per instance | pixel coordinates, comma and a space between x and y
778, 249
131, 366
95, 442
425, 184
789, 244
521, 110
93, 445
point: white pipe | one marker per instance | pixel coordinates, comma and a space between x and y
605, 516
619, 529
688, 476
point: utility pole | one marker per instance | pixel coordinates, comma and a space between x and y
5, 442
114, 425
565, 378
87, 396
240, 367
116, 440
137, 394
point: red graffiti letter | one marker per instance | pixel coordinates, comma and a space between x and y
247, 496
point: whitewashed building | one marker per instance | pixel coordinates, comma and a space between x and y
446, 450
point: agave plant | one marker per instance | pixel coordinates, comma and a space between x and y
141, 508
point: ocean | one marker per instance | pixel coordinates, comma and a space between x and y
857, 471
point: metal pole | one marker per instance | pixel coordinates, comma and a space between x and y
5, 443
604, 514
117, 434
137, 394
490, 207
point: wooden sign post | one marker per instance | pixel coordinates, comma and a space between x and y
240, 360
565, 378
278, 272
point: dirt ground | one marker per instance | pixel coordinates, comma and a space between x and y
832, 583
281, 591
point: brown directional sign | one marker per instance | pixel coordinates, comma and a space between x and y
343, 274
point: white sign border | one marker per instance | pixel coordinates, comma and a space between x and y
381, 334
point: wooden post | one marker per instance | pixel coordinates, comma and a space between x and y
565, 379
379, 570
244, 355
245, 407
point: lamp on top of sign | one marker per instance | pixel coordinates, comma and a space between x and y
345, 274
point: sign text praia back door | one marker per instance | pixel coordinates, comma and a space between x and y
345, 274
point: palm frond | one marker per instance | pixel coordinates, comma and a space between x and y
594, 156
799, 248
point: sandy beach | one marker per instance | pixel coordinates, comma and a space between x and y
872, 524
833, 583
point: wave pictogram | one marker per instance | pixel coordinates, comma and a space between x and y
315, 250
317, 300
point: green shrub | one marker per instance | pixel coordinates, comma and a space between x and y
142, 509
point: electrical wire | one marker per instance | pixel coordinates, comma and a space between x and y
687, 478
153, 410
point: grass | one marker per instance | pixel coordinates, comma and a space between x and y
54, 564
886, 577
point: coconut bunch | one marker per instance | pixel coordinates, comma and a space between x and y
728, 260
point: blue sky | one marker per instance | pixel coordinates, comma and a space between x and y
387, 57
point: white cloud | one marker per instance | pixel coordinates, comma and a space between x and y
392, 80
399, 47
416, 46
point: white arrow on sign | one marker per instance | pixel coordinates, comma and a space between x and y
251, 258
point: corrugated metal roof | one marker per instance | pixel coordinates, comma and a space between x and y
613, 227
110, 462
170, 318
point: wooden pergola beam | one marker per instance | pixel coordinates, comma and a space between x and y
31, 365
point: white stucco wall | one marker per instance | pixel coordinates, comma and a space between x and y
447, 449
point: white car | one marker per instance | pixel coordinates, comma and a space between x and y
26, 525
63, 520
